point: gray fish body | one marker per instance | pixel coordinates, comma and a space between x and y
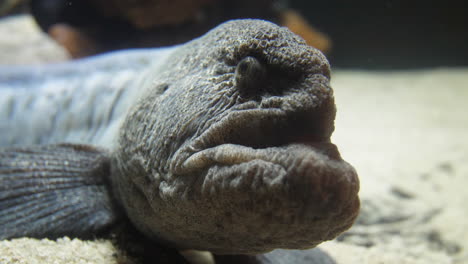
82, 102
222, 145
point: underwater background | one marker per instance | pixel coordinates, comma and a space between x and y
384, 34
400, 79
392, 34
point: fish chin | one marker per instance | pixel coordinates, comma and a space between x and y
256, 200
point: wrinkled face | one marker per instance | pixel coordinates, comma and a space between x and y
229, 151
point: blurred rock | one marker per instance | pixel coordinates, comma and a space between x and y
23, 43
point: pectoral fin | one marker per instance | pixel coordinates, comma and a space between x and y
54, 190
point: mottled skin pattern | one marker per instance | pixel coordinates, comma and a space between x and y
221, 144
231, 152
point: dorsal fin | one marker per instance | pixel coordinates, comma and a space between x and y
54, 190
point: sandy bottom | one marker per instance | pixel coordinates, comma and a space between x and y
407, 135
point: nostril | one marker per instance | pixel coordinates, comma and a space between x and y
250, 73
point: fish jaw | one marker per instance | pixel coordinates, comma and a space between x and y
256, 200
234, 155
263, 179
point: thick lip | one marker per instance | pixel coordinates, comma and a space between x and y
233, 154
248, 134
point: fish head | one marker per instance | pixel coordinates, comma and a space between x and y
229, 150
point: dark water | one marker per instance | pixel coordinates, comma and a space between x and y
392, 34
367, 34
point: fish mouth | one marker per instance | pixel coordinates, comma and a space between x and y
244, 134
279, 107
272, 179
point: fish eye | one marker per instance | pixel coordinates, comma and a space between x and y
248, 65
162, 87
245, 64
249, 73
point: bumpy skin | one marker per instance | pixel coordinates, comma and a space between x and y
232, 154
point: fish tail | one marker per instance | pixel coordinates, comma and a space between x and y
54, 190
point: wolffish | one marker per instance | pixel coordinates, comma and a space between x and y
221, 144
